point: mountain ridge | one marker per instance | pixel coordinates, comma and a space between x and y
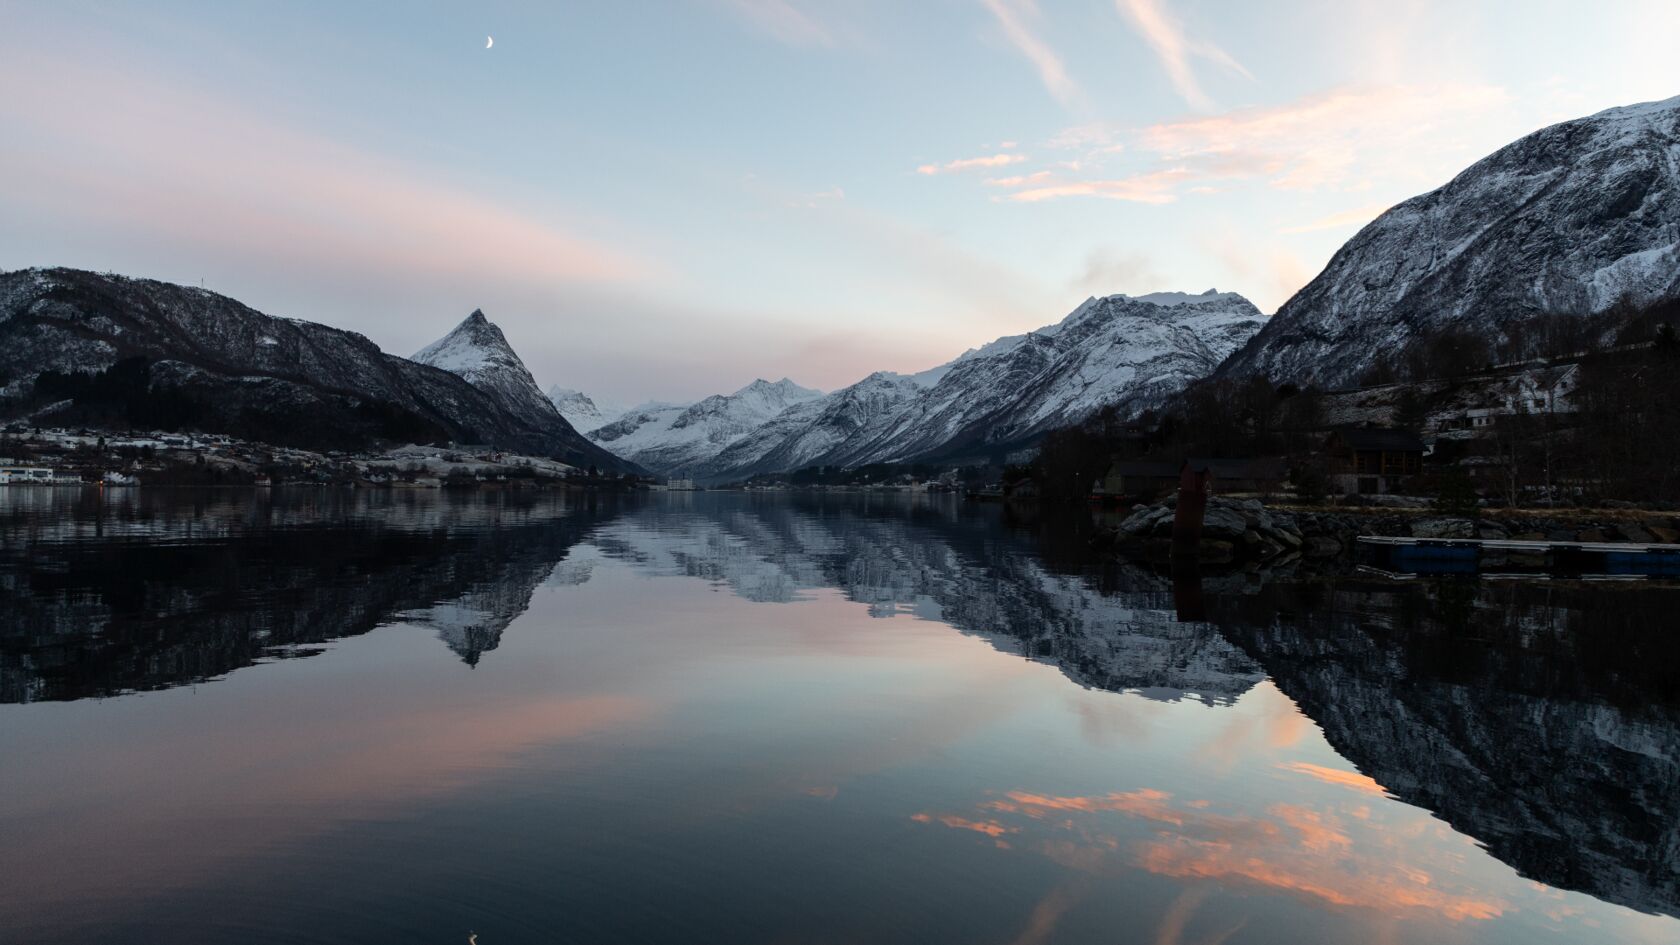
1574, 219
1120, 350
220, 366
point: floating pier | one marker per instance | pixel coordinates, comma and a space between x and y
1472, 555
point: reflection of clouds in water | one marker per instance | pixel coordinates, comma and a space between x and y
1048, 911
1352, 780
1329, 854
1177, 920
990, 828
1249, 736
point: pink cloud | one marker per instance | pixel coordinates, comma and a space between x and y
1154, 187
969, 164
1344, 139
136, 152
1337, 138
1019, 180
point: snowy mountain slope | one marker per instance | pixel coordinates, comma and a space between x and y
1115, 351
1119, 350
674, 439
817, 431
477, 352
225, 367
1571, 219
583, 412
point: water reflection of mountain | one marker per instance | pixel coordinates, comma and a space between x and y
134, 592
1542, 720
941, 560
106, 597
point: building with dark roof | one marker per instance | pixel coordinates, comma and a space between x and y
1373, 460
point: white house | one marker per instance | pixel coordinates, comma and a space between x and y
21, 475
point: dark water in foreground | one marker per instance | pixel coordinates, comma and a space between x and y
317, 717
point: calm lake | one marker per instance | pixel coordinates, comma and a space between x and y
506, 718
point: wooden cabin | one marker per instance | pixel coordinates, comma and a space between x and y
1372, 460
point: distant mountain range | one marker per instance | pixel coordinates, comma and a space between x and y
676, 438
1129, 352
1578, 219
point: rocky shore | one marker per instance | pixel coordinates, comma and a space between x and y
1239, 529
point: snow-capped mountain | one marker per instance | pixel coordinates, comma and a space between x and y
583, 412
1131, 352
1570, 220
210, 363
817, 430
478, 353
674, 439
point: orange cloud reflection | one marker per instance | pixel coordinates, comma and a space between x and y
990, 828
1309, 852
1348, 779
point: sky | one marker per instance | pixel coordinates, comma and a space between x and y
663, 199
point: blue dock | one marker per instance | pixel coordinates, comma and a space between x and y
1471, 555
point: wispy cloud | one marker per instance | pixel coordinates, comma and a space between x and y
784, 21
1152, 187
973, 163
1332, 139
1012, 16
1019, 180
1347, 139
1166, 37
1358, 216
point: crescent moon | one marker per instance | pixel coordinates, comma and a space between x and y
489, 41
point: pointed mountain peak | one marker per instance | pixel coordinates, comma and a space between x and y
479, 326
476, 330
474, 346
478, 352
